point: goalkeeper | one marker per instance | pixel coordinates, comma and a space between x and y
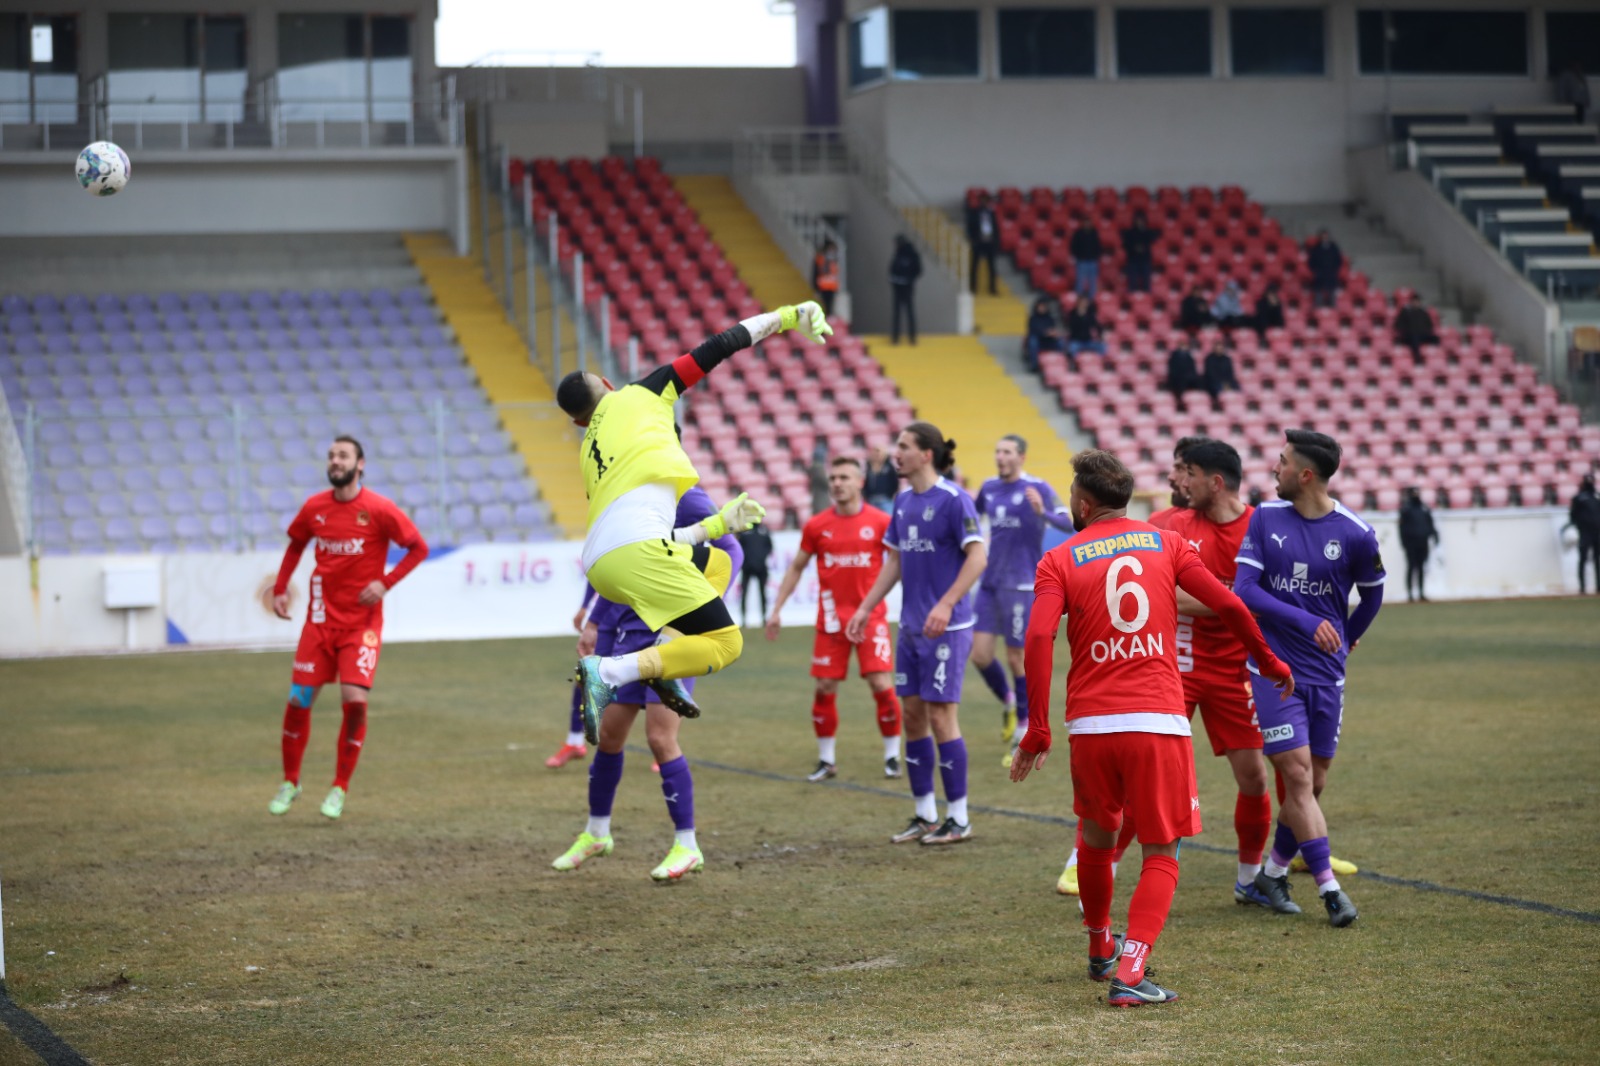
634, 471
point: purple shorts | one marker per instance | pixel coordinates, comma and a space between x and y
931, 668
623, 642
1312, 716
1003, 612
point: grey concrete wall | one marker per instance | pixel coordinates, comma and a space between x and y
873, 226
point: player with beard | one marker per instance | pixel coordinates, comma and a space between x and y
1179, 498
343, 635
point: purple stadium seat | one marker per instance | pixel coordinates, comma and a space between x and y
483, 493
208, 323
179, 501
107, 303
189, 527
413, 494
115, 323
145, 503
270, 321
528, 516
155, 527
328, 318
462, 515
503, 467
154, 430
412, 295
515, 491
400, 335
495, 517
229, 301
84, 530
391, 316
53, 533
169, 302
121, 530
94, 455
70, 481
110, 504
410, 357
308, 475
320, 298
380, 298
220, 526
282, 499
442, 355
431, 335
260, 299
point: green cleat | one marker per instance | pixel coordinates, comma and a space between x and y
333, 806
679, 861
583, 849
284, 799
1008, 723
597, 695
675, 697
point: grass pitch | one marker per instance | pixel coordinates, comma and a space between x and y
154, 912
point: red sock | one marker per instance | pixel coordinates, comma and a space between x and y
888, 712
1252, 820
1094, 892
1282, 789
1124, 837
1147, 914
825, 714
296, 733
352, 734
1077, 839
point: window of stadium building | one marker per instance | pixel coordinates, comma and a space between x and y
1573, 37
38, 68
345, 67
1277, 41
1442, 42
176, 68
869, 47
935, 44
1041, 42
1171, 42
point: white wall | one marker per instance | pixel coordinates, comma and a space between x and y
242, 191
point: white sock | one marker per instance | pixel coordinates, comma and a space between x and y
1248, 871
686, 838
927, 808
1272, 869
958, 810
825, 748
1017, 735
620, 670
1114, 869
1330, 885
575, 740
599, 828
891, 747
1072, 860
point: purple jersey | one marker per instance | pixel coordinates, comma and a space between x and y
931, 531
1310, 565
1016, 533
693, 506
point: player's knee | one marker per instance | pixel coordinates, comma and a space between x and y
302, 695
726, 646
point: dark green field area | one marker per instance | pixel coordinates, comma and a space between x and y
154, 912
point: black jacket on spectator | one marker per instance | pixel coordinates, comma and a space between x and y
1040, 324
975, 217
1138, 243
1085, 243
882, 482
1083, 328
1269, 312
1585, 512
1414, 326
1416, 523
1194, 312
1182, 374
906, 266
1219, 372
757, 545
1325, 261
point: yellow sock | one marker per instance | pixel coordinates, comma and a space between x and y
704, 653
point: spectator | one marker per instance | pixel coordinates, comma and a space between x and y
1269, 310
1228, 307
757, 545
1182, 374
1219, 373
1044, 332
1417, 534
1138, 245
1255, 497
817, 473
1086, 250
904, 270
1325, 261
1194, 313
883, 481
1584, 514
1084, 332
1573, 88
825, 278
983, 233
1413, 327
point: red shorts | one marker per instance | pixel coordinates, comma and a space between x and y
1148, 777
347, 655
830, 655
1227, 711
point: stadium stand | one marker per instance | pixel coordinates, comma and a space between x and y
1467, 423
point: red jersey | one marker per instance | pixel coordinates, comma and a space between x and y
849, 551
1206, 647
1162, 519
352, 544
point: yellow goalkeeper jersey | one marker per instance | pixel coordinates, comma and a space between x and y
631, 443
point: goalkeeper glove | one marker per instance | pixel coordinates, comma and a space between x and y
807, 317
736, 516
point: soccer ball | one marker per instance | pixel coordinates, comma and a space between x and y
103, 168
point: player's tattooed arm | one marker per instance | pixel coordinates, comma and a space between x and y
856, 629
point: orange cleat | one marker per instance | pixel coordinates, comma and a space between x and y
565, 754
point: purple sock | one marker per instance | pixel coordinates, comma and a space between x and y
953, 768
1021, 689
994, 675
575, 723
1283, 845
1316, 853
920, 756
677, 786
605, 773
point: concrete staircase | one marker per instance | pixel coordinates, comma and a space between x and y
761, 264
1369, 246
952, 382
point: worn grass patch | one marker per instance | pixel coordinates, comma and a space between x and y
188, 926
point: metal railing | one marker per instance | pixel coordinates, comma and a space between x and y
764, 161
229, 476
569, 77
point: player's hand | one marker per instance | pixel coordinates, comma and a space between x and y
1327, 637
280, 606
1284, 684
587, 636
372, 594
1035, 500
1024, 763
855, 630
937, 622
774, 624
736, 516
577, 620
